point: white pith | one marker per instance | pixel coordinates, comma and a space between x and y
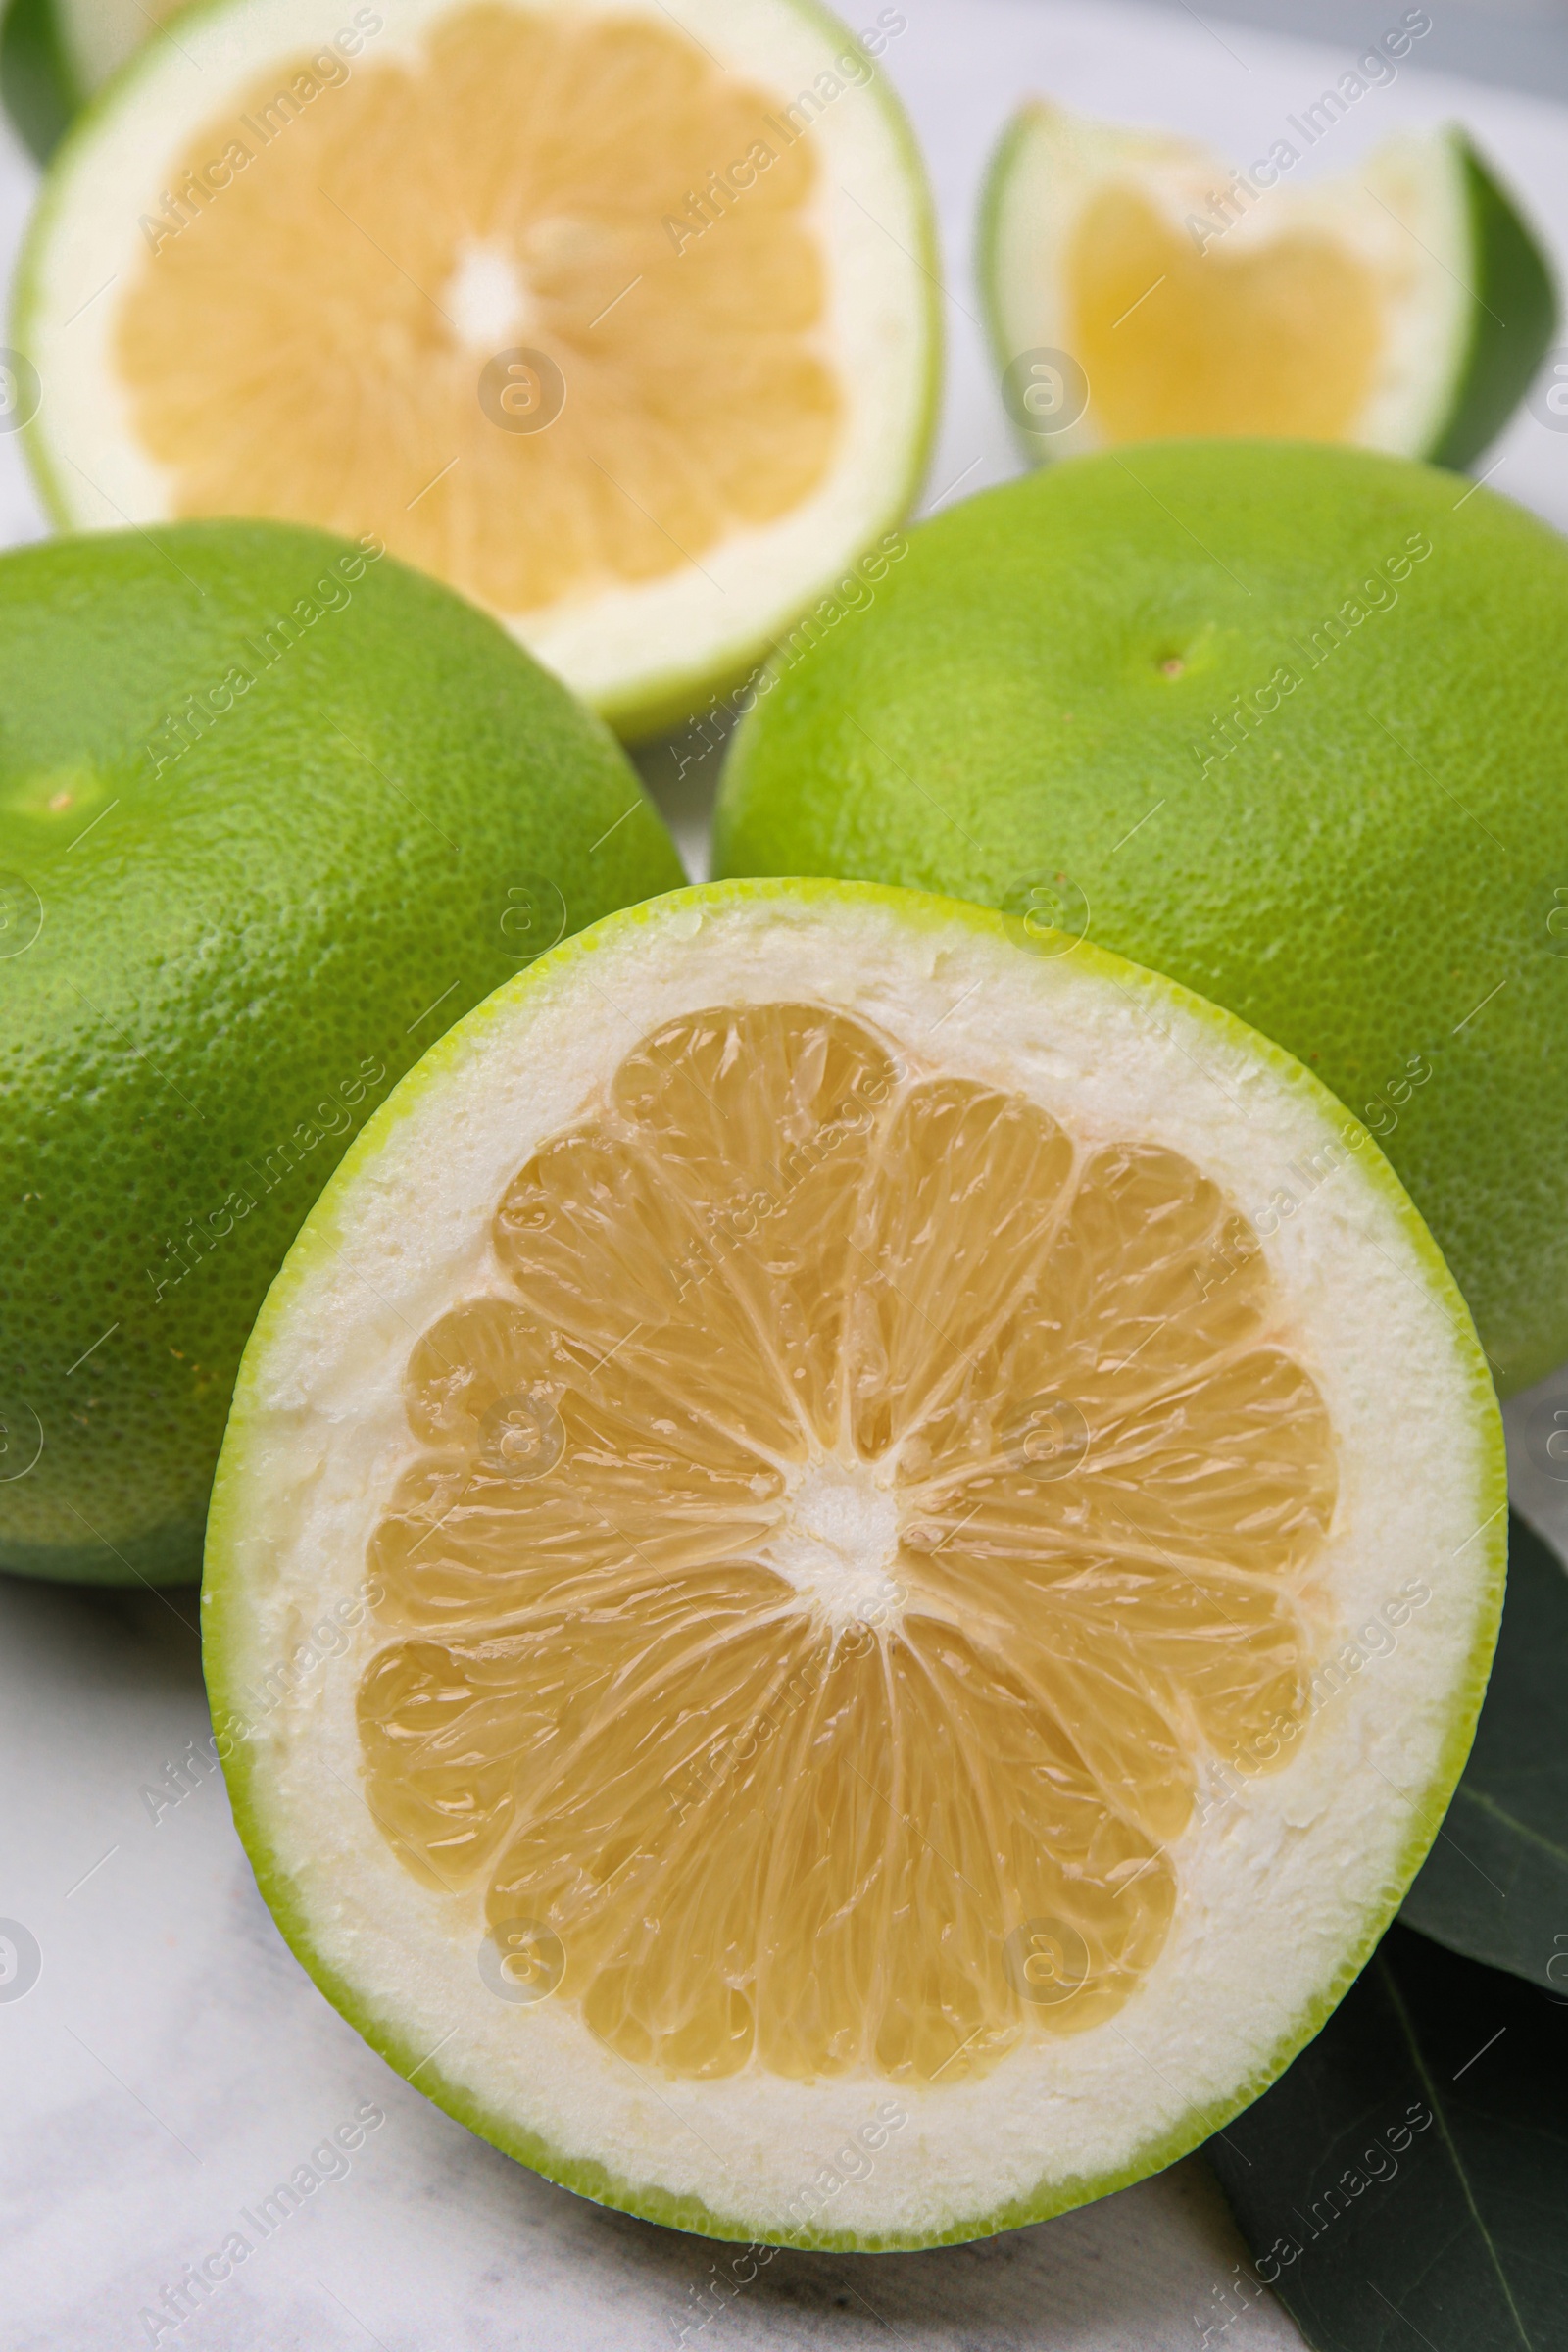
100, 34
488, 298
1278, 1877
1403, 211
837, 1542
613, 646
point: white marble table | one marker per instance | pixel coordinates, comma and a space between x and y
172, 2063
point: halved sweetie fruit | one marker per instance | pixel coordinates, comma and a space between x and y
854, 1560
1139, 288
622, 322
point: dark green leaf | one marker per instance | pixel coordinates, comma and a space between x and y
1495, 1882
1406, 2181
35, 81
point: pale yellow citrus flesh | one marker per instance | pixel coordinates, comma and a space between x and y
828, 1554
308, 339
1282, 340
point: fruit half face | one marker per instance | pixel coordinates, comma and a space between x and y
621, 325
850, 1529
1139, 289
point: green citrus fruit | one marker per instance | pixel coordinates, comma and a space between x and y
1282, 721
627, 330
1138, 290
273, 812
820, 1621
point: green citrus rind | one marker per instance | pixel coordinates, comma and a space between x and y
271, 855
222, 1604
1049, 682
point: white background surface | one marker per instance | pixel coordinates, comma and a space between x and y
172, 2063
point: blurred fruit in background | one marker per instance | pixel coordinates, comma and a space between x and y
1139, 289
632, 339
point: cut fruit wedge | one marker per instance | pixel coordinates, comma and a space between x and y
854, 1560
1138, 288
624, 324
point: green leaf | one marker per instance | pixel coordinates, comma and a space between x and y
35, 81
1406, 2181
1495, 1882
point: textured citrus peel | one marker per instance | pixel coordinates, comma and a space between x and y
832, 1558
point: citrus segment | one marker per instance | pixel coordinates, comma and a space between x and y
1283, 340
846, 1527
818, 1611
